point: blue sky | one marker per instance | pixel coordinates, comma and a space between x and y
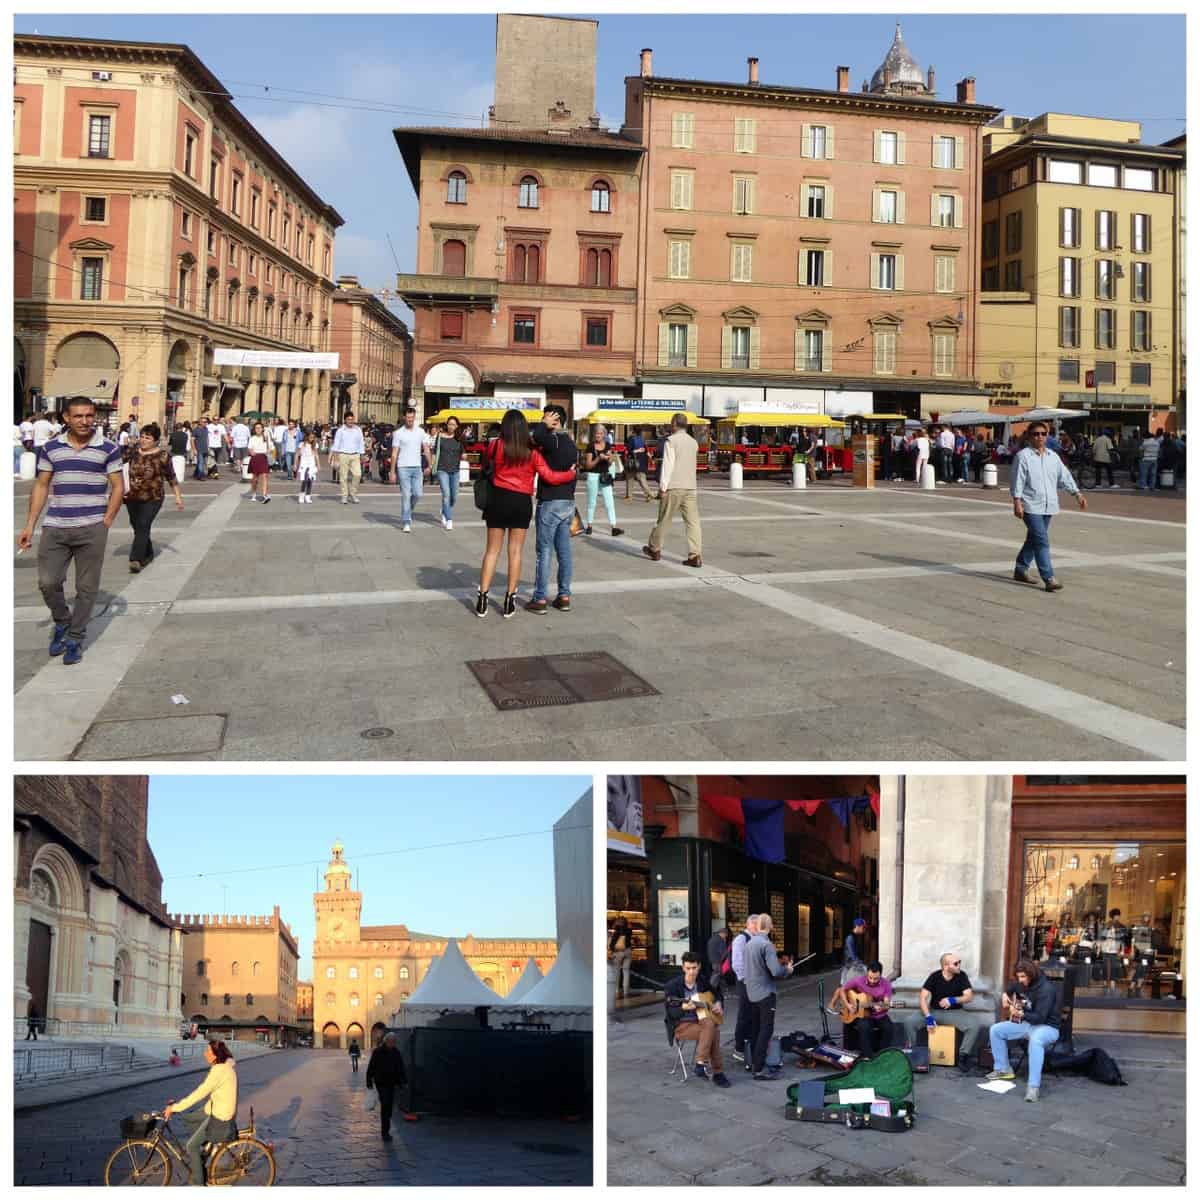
216, 836
440, 70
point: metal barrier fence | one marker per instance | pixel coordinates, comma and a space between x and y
32, 1064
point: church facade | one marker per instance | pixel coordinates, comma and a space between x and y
364, 973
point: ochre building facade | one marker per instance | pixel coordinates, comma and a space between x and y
374, 378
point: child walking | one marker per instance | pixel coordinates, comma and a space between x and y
306, 468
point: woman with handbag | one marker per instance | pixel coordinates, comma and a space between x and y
446, 456
511, 466
150, 472
599, 465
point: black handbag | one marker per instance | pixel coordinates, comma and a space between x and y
483, 482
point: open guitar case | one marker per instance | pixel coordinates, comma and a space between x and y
889, 1074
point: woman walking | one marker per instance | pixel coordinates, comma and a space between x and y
1037, 474
515, 466
921, 445
307, 467
151, 472
597, 465
445, 458
260, 464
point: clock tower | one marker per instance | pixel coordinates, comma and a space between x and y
338, 909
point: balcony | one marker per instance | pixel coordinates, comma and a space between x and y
423, 290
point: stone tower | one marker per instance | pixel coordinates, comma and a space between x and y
338, 907
545, 72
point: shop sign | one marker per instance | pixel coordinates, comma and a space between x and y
643, 404
625, 832
227, 356
522, 402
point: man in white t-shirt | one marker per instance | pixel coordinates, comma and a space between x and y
26, 431
240, 437
277, 435
410, 459
216, 440
43, 430
946, 455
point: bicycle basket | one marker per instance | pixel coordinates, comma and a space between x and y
138, 1126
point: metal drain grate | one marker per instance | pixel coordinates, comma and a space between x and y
557, 679
378, 731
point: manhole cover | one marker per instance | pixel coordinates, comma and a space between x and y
557, 679
549, 1148
153, 737
379, 731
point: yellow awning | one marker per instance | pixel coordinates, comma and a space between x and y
97, 383
476, 416
876, 417
783, 420
640, 416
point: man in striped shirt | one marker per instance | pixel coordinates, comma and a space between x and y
80, 472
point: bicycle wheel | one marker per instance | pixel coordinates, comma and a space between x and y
246, 1163
137, 1164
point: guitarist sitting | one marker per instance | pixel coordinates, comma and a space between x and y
1031, 1009
865, 1001
696, 1014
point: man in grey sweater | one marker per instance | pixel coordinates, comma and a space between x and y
763, 968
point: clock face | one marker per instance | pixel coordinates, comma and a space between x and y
337, 930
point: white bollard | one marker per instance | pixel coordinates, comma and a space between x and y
928, 478
464, 472
990, 475
1166, 478
246, 469
179, 466
735, 476
28, 464
800, 475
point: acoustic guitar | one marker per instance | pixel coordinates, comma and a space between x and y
855, 1006
706, 1000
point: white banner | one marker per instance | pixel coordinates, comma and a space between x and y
625, 815
787, 400
228, 356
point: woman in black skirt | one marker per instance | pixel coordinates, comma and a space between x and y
516, 465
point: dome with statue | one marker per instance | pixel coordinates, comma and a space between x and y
899, 71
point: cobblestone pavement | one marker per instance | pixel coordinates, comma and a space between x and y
663, 1132
309, 1104
830, 604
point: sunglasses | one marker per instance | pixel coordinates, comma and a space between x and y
1039, 433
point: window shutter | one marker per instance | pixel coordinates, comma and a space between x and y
687, 189
879, 352
689, 130
755, 347
933, 150
877, 146
958, 153
802, 267
726, 347
900, 147
799, 349
752, 205
1149, 243
693, 339
751, 131
1146, 281
899, 272
875, 271
933, 208
806, 150
828, 141
827, 278
958, 212
827, 350
828, 202
876, 214
900, 209
664, 343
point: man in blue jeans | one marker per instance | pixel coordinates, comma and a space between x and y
1031, 1001
556, 507
1037, 474
410, 459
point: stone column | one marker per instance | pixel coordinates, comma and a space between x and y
685, 792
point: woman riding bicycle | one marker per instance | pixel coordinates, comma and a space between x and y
216, 1121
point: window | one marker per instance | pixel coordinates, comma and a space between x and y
235, 199
1106, 372
885, 352
818, 141
524, 330
1139, 331
1101, 175
1068, 227
249, 999
1063, 171
456, 188
208, 295
887, 272
212, 241
311, 246
945, 211
527, 196
679, 259
1140, 179
1106, 332
887, 147
1068, 370
203, 999
1068, 277
1106, 229
91, 281
271, 210
944, 272
739, 347
681, 189
233, 970
597, 267
255, 199
214, 174
451, 331
814, 349
526, 265
887, 207
228, 999
99, 134
991, 239
185, 224
330, 972
251, 263
741, 267
1140, 233
943, 354
95, 208
682, 130
200, 969
353, 999
254, 970
1012, 233
597, 331
745, 134
378, 999
816, 200
1139, 373
454, 257
943, 152
330, 999
403, 972
1105, 279
287, 230
743, 195
814, 268
189, 152
1140, 285
677, 345
601, 197
1068, 325
378, 972
989, 280
352, 973
233, 253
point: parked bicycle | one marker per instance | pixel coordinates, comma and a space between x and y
146, 1157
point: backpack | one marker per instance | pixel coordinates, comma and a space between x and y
1096, 1064
728, 975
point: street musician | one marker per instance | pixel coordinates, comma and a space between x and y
696, 1012
1032, 1010
864, 1002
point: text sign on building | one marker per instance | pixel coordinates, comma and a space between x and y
1089, 379
228, 356
644, 403
783, 404
521, 402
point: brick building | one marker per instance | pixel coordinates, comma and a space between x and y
374, 378
92, 944
153, 224
304, 1009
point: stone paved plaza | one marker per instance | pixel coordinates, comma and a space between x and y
831, 623
311, 1107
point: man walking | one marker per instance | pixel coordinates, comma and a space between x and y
410, 460
763, 968
556, 507
347, 455
80, 473
200, 444
240, 438
385, 1072
677, 492
291, 441
743, 1047
1102, 457
1148, 478
1037, 474
637, 464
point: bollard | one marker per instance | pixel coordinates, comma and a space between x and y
179, 465
800, 475
735, 476
990, 475
928, 478
464, 472
246, 470
28, 465
1166, 478
612, 986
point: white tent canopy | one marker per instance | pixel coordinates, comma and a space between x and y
973, 417
450, 983
530, 978
563, 999
1050, 414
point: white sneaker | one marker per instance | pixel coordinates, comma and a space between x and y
406, 529
353, 499
443, 520
344, 500
449, 524
1113, 485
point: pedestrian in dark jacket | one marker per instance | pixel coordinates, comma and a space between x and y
355, 1051
1033, 1006
386, 1073
716, 953
31, 1020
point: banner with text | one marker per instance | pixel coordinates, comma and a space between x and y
229, 356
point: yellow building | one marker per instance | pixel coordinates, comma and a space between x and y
362, 973
239, 975
1079, 270
375, 347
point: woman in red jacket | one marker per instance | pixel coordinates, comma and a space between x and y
515, 466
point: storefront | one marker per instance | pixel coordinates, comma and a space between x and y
1097, 889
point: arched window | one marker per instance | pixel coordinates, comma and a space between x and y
1073, 865
600, 196
330, 999
254, 970
519, 263
249, 999
203, 999
353, 999
456, 188
403, 972
353, 972
331, 972
598, 269
403, 995
228, 999
528, 195
200, 968
234, 969
454, 258
378, 972
378, 999
533, 264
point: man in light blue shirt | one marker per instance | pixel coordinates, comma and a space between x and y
347, 457
763, 968
1037, 474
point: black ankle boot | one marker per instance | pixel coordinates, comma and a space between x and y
481, 604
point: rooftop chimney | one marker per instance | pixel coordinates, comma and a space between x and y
843, 78
753, 65
965, 89
647, 62
929, 82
